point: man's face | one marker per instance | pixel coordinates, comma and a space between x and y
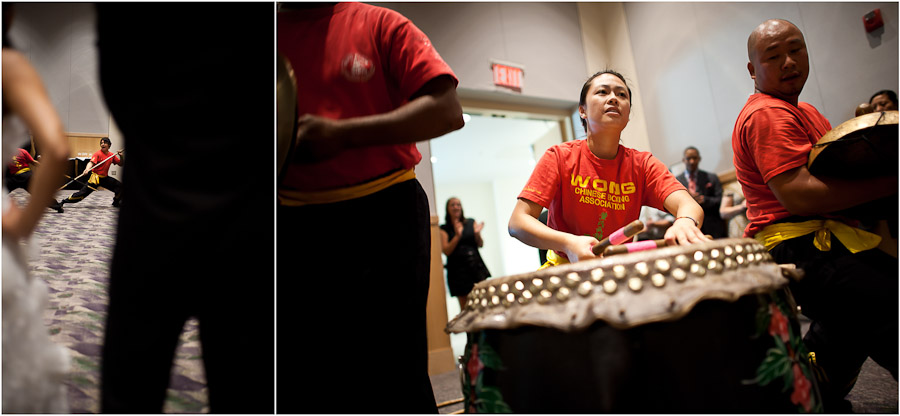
881, 102
104, 146
779, 63
691, 160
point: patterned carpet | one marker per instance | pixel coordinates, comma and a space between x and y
72, 254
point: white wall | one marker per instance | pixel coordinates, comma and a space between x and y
691, 61
607, 45
544, 37
60, 41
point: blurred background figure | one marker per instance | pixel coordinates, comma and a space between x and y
33, 366
194, 101
884, 100
18, 176
656, 222
460, 240
706, 189
733, 211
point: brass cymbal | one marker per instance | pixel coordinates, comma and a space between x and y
286, 107
862, 147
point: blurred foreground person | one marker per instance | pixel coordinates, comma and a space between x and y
193, 101
33, 366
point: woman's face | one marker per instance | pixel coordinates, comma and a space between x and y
607, 103
454, 207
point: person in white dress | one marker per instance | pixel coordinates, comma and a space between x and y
33, 366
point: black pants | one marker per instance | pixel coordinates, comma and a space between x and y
353, 283
194, 239
21, 181
107, 182
161, 275
851, 300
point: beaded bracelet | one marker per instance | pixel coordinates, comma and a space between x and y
696, 224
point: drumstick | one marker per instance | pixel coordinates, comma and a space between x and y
638, 246
619, 236
633, 247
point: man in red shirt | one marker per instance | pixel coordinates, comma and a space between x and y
99, 165
850, 289
353, 222
19, 174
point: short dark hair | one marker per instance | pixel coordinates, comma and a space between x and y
105, 139
891, 96
582, 100
690, 148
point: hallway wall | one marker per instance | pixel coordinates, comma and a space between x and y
544, 37
691, 61
60, 41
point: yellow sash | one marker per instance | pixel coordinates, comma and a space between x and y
23, 170
299, 198
95, 179
854, 239
553, 259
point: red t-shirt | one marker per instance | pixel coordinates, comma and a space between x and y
98, 157
771, 137
21, 160
355, 60
590, 196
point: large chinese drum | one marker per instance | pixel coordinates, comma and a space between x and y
698, 329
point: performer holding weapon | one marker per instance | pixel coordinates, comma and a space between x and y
99, 170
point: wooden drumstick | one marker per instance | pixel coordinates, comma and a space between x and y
619, 236
638, 246
632, 247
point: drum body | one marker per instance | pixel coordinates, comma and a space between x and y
722, 340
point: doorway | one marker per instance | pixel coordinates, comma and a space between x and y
486, 165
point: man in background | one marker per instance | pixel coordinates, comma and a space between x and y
884, 100
706, 189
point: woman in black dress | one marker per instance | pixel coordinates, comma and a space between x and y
460, 240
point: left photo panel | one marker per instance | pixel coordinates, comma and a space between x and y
138, 210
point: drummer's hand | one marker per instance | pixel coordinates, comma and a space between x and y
478, 227
316, 139
684, 232
578, 247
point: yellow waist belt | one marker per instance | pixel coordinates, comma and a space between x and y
94, 179
23, 170
854, 239
300, 198
553, 259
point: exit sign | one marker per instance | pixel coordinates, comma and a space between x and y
506, 75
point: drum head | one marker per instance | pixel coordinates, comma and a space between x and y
286, 92
624, 291
862, 147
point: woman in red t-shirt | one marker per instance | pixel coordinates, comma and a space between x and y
596, 186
